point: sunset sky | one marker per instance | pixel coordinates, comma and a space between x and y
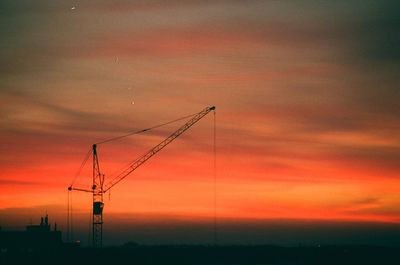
307, 97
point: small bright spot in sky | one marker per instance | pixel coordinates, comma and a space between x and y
73, 8
133, 102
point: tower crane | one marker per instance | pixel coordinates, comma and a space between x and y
99, 187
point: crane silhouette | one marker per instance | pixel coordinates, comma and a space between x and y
99, 187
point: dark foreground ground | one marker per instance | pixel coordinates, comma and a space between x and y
205, 255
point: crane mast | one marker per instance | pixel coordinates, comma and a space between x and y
98, 205
99, 188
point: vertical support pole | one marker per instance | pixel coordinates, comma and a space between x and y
97, 220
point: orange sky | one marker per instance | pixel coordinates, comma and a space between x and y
306, 95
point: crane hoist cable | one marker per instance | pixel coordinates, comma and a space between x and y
215, 234
68, 219
70, 227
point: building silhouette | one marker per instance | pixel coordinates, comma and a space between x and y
34, 237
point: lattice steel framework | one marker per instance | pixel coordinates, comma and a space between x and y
97, 217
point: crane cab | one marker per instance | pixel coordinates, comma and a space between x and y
98, 208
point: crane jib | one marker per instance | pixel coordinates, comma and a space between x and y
141, 160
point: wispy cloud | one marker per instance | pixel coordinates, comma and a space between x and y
12, 182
